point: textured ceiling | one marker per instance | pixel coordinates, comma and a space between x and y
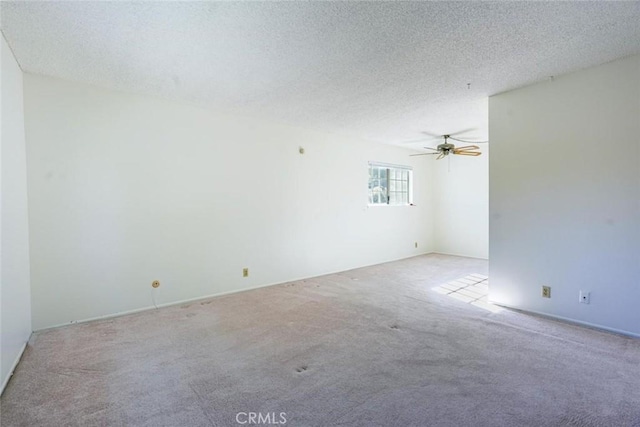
380, 70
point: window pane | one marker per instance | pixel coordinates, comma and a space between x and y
397, 181
378, 186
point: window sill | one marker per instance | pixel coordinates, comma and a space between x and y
384, 204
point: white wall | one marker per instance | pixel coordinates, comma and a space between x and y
15, 320
461, 205
565, 196
126, 189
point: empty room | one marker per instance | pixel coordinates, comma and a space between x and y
320, 213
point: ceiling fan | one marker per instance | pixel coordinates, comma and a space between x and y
446, 148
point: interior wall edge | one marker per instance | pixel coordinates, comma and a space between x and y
6, 380
15, 282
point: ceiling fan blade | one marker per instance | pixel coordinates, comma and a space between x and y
463, 131
453, 135
467, 148
468, 142
467, 153
432, 135
421, 154
423, 140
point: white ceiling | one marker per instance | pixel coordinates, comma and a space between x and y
380, 70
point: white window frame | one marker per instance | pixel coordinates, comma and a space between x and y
389, 167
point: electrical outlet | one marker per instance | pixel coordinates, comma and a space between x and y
245, 272
585, 297
546, 292
155, 284
416, 244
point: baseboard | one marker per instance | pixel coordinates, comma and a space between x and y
461, 255
13, 368
571, 321
216, 295
158, 306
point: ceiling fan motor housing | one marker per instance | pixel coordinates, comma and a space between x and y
446, 148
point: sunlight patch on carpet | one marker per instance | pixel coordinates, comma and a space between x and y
472, 289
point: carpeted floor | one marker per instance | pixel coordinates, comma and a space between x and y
375, 346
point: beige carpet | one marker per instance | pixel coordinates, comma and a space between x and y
375, 346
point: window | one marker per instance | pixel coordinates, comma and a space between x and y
390, 184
